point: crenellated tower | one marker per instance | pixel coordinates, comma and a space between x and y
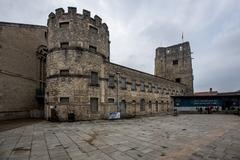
78, 46
175, 63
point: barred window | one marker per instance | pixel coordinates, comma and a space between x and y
94, 104
175, 62
123, 83
156, 106
133, 87
110, 100
111, 81
142, 105
142, 86
64, 72
94, 78
64, 45
64, 100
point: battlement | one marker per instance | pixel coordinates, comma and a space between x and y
173, 48
72, 11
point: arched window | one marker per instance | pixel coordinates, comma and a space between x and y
142, 105
150, 104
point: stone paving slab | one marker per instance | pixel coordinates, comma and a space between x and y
185, 137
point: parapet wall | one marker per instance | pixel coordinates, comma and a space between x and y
76, 30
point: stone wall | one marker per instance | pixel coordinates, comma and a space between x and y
175, 63
70, 65
19, 68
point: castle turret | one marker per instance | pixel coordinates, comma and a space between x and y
78, 46
175, 63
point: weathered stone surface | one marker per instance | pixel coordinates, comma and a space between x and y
79, 33
203, 138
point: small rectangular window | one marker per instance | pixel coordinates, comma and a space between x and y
64, 45
111, 81
93, 49
64, 100
123, 83
94, 104
93, 30
64, 72
175, 62
63, 24
178, 80
133, 86
110, 100
94, 78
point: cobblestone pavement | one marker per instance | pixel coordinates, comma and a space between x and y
147, 138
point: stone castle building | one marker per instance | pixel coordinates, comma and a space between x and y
69, 67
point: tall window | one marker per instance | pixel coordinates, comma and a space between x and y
149, 87
94, 104
94, 78
150, 105
111, 81
133, 86
142, 87
123, 83
142, 105
156, 106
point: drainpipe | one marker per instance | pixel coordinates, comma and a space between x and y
118, 91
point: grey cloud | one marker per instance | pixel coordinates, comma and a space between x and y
138, 27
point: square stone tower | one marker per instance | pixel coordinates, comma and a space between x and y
175, 63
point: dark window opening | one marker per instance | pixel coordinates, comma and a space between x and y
93, 29
111, 81
178, 80
64, 72
110, 100
94, 104
64, 45
142, 105
150, 105
175, 62
94, 78
64, 100
156, 106
93, 49
63, 24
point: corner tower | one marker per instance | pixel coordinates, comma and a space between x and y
78, 46
175, 63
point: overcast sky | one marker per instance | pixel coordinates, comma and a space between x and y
137, 27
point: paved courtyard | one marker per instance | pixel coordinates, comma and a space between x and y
146, 138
